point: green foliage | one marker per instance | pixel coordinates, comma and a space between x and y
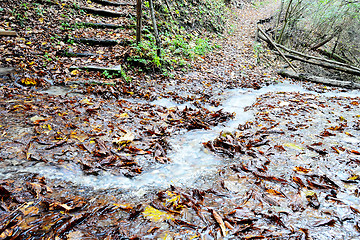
114, 74
179, 45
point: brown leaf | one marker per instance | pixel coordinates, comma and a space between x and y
220, 221
301, 169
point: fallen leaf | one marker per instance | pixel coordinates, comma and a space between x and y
220, 221
156, 215
301, 169
127, 138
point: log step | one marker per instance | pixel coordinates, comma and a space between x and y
109, 3
96, 68
8, 33
105, 13
100, 42
75, 54
97, 42
105, 25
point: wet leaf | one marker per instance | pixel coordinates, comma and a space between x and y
293, 146
127, 138
220, 221
312, 199
301, 169
156, 215
330, 222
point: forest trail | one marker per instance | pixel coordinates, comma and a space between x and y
228, 150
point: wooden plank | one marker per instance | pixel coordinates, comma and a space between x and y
8, 33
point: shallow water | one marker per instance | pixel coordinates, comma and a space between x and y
191, 164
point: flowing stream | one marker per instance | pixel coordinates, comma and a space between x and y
191, 164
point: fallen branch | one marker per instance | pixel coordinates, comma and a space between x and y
326, 81
275, 46
326, 65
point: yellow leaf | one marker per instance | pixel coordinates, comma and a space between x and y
86, 101
28, 81
41, 20
354, 177
293, 146
124, 115
74, 72
156, 215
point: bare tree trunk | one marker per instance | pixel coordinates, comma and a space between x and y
156, 33
138, 20
287, 13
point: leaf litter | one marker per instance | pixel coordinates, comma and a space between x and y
291, 172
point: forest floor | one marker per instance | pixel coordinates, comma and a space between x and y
104, 161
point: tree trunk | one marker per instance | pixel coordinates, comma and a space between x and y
138, 20
156, 33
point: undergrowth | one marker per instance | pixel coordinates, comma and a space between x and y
183, 39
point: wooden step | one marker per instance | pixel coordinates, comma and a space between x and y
109, 3
103, 12
101, 42
96, 68
105, 25
8, 33
76, 54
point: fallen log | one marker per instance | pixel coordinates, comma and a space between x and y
109, 3
105, 25
8, 33
325, 65
105, 13
277, 49
325, 81
333, 56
